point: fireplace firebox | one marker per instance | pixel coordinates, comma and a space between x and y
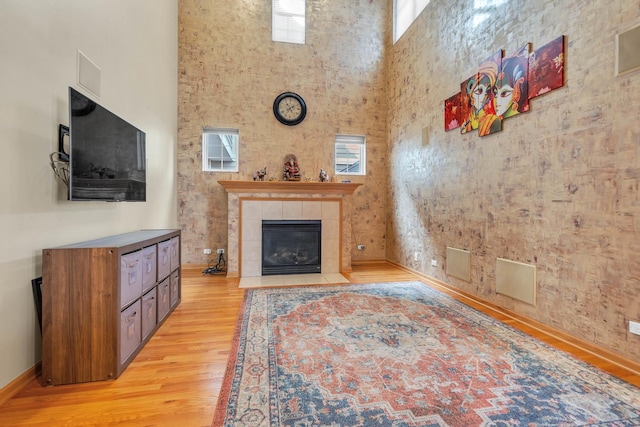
291, 247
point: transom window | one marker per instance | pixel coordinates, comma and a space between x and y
220, 150
288, 21
350, 155
404, 13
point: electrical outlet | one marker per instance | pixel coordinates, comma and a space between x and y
207, 251
220, 251
634, 327
415, 256
361, 247
434, 263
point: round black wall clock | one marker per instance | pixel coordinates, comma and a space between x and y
289, 108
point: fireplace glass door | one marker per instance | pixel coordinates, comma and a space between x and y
291, 247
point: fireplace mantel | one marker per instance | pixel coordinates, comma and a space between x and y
250, 202
292, 187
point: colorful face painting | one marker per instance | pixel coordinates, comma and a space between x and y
489, 122
510, 94
546, 68
465, 105
476, 95
452, 112
502, 88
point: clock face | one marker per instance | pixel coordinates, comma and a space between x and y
289, 108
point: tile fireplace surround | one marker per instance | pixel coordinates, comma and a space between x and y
251, 202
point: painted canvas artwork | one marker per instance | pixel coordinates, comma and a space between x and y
489, 122
503, 86
467, 112
511, 92
546, 68
452, 112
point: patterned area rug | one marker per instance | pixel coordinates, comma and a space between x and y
403, 354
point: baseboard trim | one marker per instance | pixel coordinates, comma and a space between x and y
594, 350
368, 261
11, 389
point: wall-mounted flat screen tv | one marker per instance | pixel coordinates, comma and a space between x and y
106, 154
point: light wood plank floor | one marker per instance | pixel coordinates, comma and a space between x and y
175, 379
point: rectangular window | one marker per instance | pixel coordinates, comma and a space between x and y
404, 13
350, 155
220, 150
288, 21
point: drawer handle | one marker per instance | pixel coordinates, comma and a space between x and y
151, 256
132, 317
133, 264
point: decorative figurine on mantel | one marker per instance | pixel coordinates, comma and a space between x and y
323, 176
259, 175
291, 169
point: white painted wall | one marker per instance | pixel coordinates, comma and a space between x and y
134, 43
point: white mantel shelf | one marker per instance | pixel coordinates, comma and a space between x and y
291, 187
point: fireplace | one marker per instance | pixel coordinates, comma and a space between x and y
291, 246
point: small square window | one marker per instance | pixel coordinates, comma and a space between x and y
220, 150
350, 155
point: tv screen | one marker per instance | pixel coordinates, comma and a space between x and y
106, 154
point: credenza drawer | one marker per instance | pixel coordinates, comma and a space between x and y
175, 287
149, 312
130, 277
130, 333
149, 267
175, 252
164, 299
164, 259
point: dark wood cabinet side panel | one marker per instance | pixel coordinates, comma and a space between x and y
78, 314
58, 336
47, 318
104, 311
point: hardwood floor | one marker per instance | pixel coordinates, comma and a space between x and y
175, 379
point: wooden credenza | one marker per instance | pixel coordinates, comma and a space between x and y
103, 299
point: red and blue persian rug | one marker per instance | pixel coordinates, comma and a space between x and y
403, 354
